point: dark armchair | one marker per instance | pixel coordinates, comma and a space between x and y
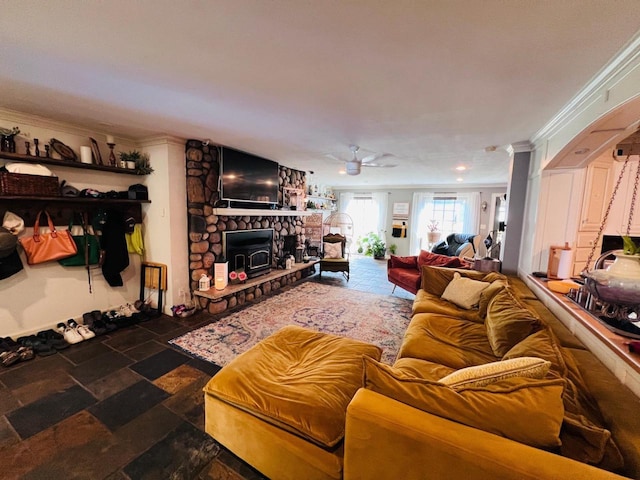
458, 245
335, 257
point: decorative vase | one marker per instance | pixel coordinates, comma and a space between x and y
625, 266
433, 237
619, 283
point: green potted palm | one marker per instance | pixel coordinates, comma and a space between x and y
374, 246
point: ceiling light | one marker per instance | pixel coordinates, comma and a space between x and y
459, 179
582, 151
342, 171
461, 168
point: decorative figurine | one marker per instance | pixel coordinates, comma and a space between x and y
27, 145
112, 156
46, 150
35, 142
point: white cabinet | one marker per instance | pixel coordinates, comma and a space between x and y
595, 199
621, 207
597, 193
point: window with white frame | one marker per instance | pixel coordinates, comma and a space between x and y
453, 212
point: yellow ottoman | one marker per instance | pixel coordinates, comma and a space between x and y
281, 405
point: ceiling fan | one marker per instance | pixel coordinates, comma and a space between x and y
354, 164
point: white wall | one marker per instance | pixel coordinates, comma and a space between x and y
40, 296
166, 228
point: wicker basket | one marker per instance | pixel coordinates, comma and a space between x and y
28, 185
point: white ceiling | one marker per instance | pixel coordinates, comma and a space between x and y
431, 82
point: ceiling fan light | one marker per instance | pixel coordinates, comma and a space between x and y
353, 168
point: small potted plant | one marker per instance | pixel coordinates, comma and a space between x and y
138, 161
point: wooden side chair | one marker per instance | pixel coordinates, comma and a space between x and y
335, 257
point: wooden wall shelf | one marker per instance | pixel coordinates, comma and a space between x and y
250, 212
64, 163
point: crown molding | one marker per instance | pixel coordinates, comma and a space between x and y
156, 140
627, 55
524, 146
458, 187
43, 122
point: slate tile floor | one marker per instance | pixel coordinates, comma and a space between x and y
126, 405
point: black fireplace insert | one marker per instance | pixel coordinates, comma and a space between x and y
250, 250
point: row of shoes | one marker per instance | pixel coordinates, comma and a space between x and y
44, 343
48, 342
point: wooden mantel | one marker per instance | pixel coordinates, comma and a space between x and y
255, 212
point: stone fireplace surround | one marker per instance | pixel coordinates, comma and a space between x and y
206, 225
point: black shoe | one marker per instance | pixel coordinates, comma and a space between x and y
41, 348
53, 339
94, 323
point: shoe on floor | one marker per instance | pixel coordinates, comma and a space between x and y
8, 344
94, 322
69, 334
85, 332
54, 339
38, 346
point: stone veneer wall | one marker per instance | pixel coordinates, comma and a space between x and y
205, 228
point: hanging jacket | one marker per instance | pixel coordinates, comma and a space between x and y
114, 244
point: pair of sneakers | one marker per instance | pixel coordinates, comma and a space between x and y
74, 333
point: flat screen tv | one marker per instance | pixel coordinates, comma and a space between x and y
248, 178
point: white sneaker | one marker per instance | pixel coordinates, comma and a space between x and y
69, 334
84, 332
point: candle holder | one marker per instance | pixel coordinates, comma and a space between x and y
112, 156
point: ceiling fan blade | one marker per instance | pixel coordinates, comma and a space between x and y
374, 157
333, 157
379, 165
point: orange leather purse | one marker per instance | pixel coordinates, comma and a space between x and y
45, 247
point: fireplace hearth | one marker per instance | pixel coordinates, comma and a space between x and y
251, 250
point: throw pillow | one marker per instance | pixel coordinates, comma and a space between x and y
483, 375
464, 292
508, 322
523, 409
332, 250
435, 280
439, 260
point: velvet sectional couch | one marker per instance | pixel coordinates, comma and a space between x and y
487, 385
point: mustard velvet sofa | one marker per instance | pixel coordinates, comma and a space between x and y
576, 420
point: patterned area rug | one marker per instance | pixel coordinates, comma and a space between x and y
377, 319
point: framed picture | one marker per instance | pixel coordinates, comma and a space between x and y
401, 210
95, 149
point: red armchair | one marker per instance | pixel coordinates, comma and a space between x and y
404, 272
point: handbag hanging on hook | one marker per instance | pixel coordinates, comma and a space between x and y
46, 247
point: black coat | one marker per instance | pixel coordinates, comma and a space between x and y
114, 243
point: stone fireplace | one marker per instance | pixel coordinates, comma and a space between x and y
250, 250
210, 226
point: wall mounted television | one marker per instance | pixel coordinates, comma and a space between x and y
247, 178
